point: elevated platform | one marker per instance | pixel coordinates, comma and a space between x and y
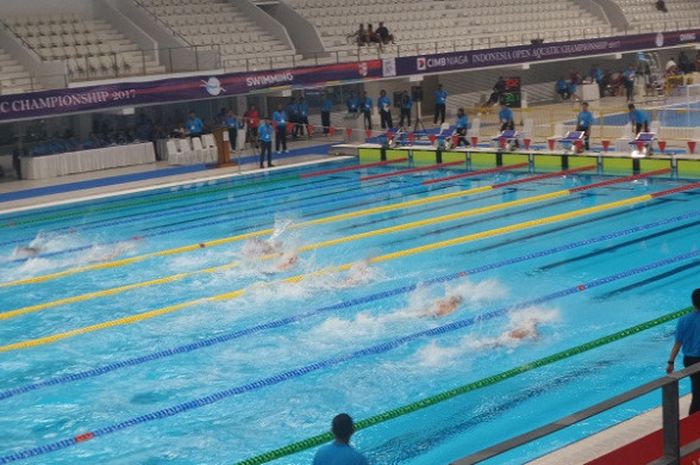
682, 165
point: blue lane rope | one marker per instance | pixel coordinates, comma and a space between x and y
330, 362
204, 343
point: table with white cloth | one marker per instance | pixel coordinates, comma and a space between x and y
61, 164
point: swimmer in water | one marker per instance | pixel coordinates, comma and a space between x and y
288, 260
359, 273
445, 306
26, 252
527, 330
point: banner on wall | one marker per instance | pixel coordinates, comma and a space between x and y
475, 59
100, 97
129, 94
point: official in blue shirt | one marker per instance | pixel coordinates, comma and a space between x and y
340, 452
462, 127
638, 119
563, 88
406, 106
231, 123
265, 138
505, 116
302, 118
688, 339
366, 106
629, 75
384, 104
281, 119
440, 97
326, 108
293, 115
353, 103
194, 125
584, 122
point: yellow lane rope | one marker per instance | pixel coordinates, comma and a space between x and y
379, 259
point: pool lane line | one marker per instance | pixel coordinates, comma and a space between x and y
132, 319
239, 237
352, 168
652, 279
418, 169
279, 323
376, 349
143, 233
174, 196
166, 196
615, 247
426, 402
428, 182
574, 224
208, 183
305, 248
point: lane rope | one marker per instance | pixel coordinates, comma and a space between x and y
28, 343
320, 439
469, 174
376, 349
416, 169
305, 248
275, 324
352, 168
263, 232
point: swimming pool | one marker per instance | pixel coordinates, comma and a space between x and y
217, 322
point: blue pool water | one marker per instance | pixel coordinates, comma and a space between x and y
96, 378
677, 116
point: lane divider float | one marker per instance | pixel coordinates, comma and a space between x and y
279, 323
28, 343
263, 232
376, 349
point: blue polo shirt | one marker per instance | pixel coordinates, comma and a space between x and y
280, 117
303, 109
505, 115
638, 117
353, 104
407, 104
384, 103
265, 132
336, 453
688, 334
367, 104
440, 96
585, 119
327, 105
195, 126
562, 85
231, 122
462, 122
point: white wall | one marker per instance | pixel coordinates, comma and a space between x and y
43, 7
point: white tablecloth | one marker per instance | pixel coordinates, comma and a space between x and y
49, 166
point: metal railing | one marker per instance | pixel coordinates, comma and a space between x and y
673, 452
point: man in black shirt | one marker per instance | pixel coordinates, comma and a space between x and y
383, 33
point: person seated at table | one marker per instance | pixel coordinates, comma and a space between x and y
194, 125
372, 35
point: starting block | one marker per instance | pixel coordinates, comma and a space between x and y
506, 139
642, 144
573, 139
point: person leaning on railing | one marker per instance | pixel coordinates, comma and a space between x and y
688, 339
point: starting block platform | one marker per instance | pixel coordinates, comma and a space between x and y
682, 166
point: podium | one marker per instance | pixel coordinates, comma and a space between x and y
223, 147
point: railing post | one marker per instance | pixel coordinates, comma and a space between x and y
671, 422
196, 57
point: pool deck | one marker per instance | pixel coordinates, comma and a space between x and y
17, 195
608, 440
